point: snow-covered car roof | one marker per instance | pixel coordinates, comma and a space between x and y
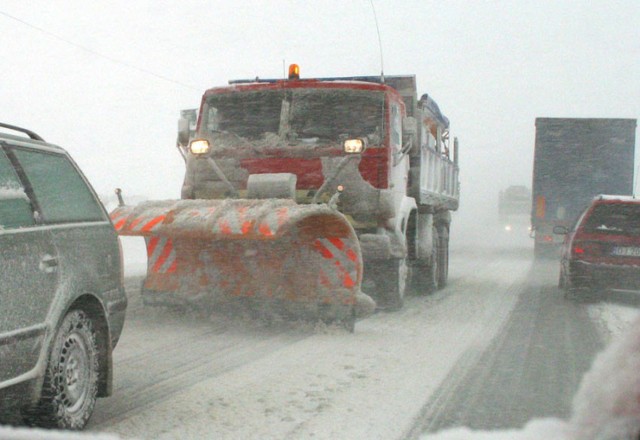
610, 197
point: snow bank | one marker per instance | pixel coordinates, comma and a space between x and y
538, 429
607, 404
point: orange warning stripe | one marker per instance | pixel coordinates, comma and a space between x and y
344, 262
149, 226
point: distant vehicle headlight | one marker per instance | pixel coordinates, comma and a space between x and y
507, 228
355, 146
199, 146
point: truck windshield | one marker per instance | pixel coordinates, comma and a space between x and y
325, 114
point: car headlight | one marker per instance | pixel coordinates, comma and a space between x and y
199, 146
355, 146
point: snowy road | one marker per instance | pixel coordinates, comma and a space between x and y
532, 369
194, 376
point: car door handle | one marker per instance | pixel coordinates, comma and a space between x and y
48, 263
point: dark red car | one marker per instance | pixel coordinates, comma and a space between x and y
602, 250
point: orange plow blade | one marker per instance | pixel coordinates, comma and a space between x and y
270, 250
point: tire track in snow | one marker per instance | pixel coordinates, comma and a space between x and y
162, 353
531, 369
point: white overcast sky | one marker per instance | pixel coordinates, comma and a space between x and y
107, 79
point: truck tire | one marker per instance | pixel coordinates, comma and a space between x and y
425, 278
386, 281
398, 276
71, 379
443, 257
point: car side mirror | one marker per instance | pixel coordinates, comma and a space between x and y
560, 230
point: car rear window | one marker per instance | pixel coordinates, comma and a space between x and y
60, 190
614, 218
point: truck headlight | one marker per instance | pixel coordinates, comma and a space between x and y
199, 146
355, 146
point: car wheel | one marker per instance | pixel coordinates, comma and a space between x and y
71, 379
562, 279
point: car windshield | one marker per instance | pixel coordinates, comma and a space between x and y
328, 114
614, 218
384, 247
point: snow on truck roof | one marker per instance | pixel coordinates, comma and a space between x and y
394, 81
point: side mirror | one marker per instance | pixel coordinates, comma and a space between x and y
410, 126
186, 126
184, 130
560, 230
409, 135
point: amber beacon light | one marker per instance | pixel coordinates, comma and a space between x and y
294, 71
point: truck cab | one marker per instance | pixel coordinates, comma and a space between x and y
364, 144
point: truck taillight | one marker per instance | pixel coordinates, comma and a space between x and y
541, 203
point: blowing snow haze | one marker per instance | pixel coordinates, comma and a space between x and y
108, 80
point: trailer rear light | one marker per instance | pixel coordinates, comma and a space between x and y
199, 146
541, 206
355, 146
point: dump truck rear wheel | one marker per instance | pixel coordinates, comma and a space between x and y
442, 253
432, 271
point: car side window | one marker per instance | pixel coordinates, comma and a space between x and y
61, 192
15, 206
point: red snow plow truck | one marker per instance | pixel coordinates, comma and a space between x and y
299, 192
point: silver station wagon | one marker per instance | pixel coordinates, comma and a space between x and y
62, 300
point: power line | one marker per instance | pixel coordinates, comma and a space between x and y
375, 17
98, 54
